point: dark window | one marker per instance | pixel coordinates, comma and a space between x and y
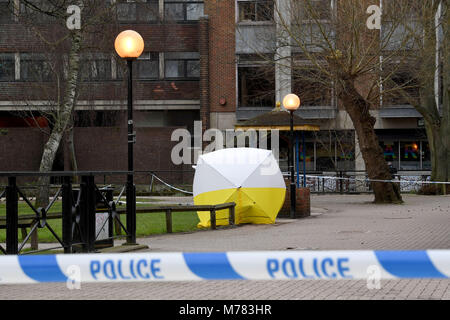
400, 88
182, 65
7, 67
410, 155
309, 150
426, 156
256, 10
313, 10
41, 11
34, 67
138, 11
93, 118
325, 152
178, 10
401, 9
6, 11
312, 88
390, 152
345, 150
256, 86
147, 66
95, 69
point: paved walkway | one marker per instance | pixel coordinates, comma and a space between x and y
348, 222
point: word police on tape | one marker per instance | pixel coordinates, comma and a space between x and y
255, 265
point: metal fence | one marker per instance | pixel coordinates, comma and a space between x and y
357, 181
87, 212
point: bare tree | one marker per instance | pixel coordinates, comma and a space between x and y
331, 48
427, 66
57, 75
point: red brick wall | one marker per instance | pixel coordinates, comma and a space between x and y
21, 149
97, 149
103, 149
222, 54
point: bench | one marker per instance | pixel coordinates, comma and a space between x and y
27, 221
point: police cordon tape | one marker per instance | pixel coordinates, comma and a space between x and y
377, 180
255, 265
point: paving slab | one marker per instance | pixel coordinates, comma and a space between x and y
338, 222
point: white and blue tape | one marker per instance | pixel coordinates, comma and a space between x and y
256, 265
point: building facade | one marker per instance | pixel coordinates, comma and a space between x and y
211, 61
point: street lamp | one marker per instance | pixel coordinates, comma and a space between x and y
129, 45
291, 102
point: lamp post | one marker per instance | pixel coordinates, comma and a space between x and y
129, 45
291, 102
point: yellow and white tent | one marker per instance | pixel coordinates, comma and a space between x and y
249, 177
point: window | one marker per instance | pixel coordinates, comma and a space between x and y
42, 11
409, 155
147, 66
6, 12
399, 88
313, 9
179, 10
309, 162
95, 68
390, 152
345, 150
256, 85
138, 11
7, 67
182, 65
325, 152
256, 10
34, 67
395, 9
426, 156
313, 88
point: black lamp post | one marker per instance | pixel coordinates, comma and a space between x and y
291, 102
130, 45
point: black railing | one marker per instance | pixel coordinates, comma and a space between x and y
79, 208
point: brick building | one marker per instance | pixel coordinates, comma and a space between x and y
202, 61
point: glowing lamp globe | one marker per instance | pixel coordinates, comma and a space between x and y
129, 44
291, 102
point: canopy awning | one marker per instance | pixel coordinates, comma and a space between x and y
277, 119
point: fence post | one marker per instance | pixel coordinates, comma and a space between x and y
131, 212
213, 219
12, 217
169, 221
110, 198
67, 214
87, 207
92, 203
232, 213
83, 213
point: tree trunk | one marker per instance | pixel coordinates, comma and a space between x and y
61, 121
72, 153
376, 166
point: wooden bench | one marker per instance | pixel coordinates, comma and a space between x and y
27, 221
180, 208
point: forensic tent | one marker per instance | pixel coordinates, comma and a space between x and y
249, 177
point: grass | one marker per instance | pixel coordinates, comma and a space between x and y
146, 223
